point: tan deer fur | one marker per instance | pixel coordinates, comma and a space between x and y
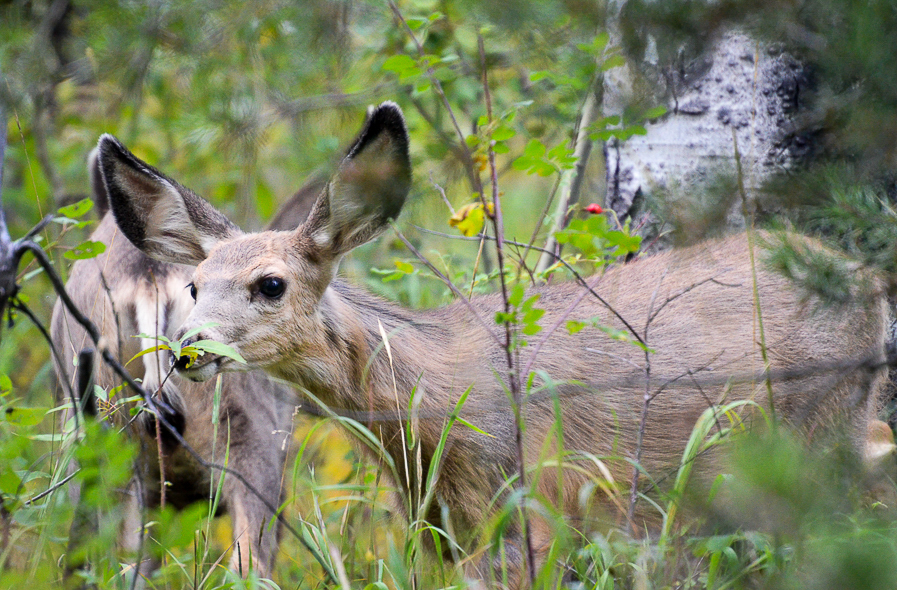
324, 335
125, 293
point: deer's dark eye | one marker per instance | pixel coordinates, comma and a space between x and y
272, 287
192, 291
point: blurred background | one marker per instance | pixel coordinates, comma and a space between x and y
243, 102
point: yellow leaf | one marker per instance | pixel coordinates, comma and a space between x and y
470, 219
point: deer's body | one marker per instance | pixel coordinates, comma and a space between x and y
710, 330
125, 293
275, 301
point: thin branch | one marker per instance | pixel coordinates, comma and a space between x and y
442, 194
710, 404
686, 373
437, 86
514, 377
579, 278
448, 283
460, 149
643, 421
69, 391
51, 489
561, 319
679, 294
616, 357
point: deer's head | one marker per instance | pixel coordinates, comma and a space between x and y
264, 292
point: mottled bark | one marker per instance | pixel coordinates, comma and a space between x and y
739, 93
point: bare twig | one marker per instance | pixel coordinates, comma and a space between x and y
51, 489
467, 157
576, 275
510, 346
687, 373
679, 294
69, 391
561, 319
710, 404
441, 192
448, 283
643, 420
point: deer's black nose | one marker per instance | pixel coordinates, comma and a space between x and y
181, 363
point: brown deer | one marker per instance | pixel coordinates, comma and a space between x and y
125, 293
275, 299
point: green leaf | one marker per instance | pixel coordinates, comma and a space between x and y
5, 383
74, 223
530, 329
196, 331
596, 46
399, 64
85, 250
574, 326
22, 416
474, 428
414, 23
504, 318
76, 209
503, 133
615, 61
516, 296
656, 112
218, 348
534, 149
604, 122
404, 267
10, 482
149, 350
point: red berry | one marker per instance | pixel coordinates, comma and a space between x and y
595, 208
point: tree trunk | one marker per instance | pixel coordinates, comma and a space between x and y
739, 97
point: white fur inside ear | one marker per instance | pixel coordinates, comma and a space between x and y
323, 237
170, 228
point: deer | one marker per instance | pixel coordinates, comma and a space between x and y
277, 299
126, 293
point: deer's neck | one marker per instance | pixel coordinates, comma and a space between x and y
348, 365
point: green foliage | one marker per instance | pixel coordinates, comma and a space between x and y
193, 350
239, 101
596, 241
522, 314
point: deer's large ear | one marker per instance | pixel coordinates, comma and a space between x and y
162, 218
369, 188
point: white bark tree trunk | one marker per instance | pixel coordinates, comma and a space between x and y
738, 93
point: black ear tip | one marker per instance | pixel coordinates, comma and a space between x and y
384, 119
110, 147
388, 117
389, 113
107, 142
